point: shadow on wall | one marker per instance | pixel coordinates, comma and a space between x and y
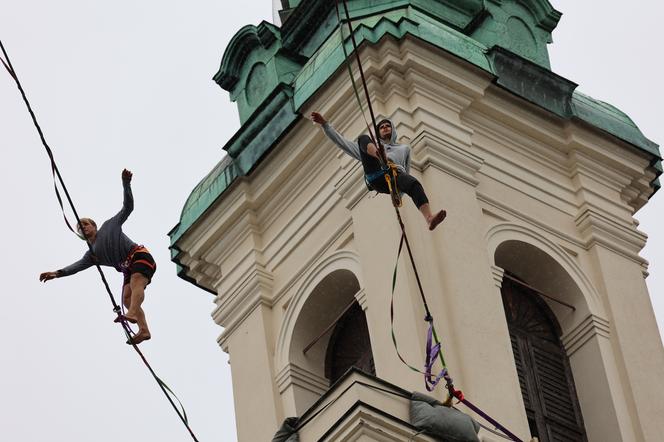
538, 269
332, 320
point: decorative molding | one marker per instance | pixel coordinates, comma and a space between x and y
204, 273
502, 232
590, 327
446, 157
246, 40
644, 269
599, 229
254, 289
316, 256
497, 273
362, 298
342, 259
351, 186
321, 205
484, 198
583, 165
295, 375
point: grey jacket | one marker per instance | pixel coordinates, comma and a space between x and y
397, 153
111, 247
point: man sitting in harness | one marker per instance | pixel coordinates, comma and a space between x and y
367, 152
111, 247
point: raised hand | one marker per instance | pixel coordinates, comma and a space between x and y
318, 118
126, 175
47, 276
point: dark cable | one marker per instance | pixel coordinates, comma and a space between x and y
450, 386
10, 68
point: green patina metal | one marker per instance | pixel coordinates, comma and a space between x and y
612, 120
271, 72
532, 82
254, 64
395, 23
462, 15
205, 192
522, 27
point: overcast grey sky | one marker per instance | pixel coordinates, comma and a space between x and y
128, 84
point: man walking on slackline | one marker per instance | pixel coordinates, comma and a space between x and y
111, 247
366, 152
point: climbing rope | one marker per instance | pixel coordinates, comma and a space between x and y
349, 67
434, 347
388, 169
116, 308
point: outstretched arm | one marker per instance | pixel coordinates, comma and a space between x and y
348, 146
76, 267
128, 198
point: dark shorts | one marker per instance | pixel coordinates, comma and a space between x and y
141, 262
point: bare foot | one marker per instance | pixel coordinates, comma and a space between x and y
131, 317
139, 337
437, 219
121, 318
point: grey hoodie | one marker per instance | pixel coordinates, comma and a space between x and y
397, 153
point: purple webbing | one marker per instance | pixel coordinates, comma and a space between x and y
431, 354
490, 419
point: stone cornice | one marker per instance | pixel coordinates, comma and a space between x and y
447, 157
252, 290
362, 299
590, 327
292, 374
410, 27
204, 273
599, 229
210, 246
497, 274
608, 177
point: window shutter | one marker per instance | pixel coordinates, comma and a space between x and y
545, 377
349, 345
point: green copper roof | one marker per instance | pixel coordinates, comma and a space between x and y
271, 72
612, 120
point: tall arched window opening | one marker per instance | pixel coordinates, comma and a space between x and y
349, 345
543, 368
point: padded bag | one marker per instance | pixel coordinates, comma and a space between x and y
287, 432
444, 423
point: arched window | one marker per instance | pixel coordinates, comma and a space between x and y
349, 345
329, 335
547, 385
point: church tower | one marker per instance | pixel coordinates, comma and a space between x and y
534, 279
